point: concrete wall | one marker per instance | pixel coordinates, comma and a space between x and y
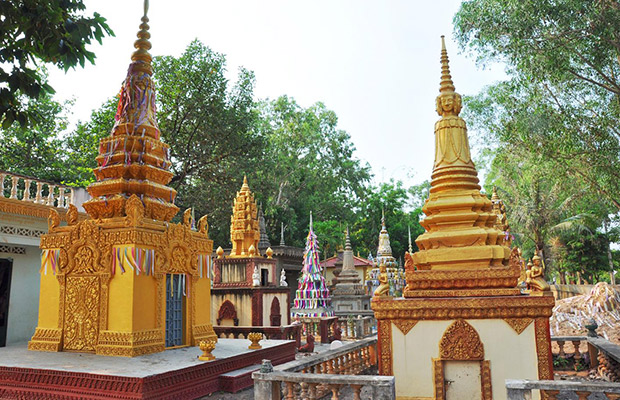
24, 297
511, 356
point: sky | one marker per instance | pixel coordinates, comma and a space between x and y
375, 63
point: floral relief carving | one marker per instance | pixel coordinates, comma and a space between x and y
461, 342
519, 324
81, 314
405, 325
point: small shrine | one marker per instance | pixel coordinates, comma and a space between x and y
463, 326
247, 289
126, 282
312, 298
395, 273
349, 294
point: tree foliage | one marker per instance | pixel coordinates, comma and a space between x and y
33, 32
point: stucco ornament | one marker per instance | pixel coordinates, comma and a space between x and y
256, 277
283, 278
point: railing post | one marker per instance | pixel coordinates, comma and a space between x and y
26, 195
2, 176
38, 197
14, 180
264, 389
50, 195
71, 196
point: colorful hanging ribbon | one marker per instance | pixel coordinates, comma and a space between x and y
49, 257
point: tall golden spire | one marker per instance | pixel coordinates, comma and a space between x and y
132, 160
244, 226
460, 240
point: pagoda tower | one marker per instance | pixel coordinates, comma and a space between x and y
246, 284
349, 293
463, 326
126, 282
384, 256
312, 298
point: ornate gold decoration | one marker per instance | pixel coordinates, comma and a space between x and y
269, 252
255, 337
53, 220
134, 210
130, 344
404, 325
384, 286
519, 324
534, 277
203, 225
72, 215
20, 207
207, 346
465, 308
438, 378
220, 252
385, 347
203, 332
244, 228
543, 349
133, 160
460, 235
501, 223
187, 218
485, 377
461, 342
81, 314
46, 340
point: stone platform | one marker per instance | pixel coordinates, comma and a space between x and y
172, 374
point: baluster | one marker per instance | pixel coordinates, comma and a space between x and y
61, 197
2, 176
550, 394
583, 394
38, 197
290, 391
561, 354
26, 195
334, 388
612, 396
356, 391
365, 358
71, 197
576, 344
330, 367
312, 391
50, 195
303, 393
14, 180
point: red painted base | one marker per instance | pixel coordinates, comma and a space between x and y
186, 383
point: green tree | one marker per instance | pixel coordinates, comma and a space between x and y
36, 151
562, 101
33, 32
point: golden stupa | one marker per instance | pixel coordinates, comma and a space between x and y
463, 326
244, 228
133, 159
461, 239
127, 282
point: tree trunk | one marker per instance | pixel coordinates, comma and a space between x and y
612, 277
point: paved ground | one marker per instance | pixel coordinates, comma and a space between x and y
139, 367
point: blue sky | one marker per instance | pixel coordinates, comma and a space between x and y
375, 63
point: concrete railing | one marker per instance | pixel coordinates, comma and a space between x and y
25, 188
319, 326
357, 326
316, 376
522, 389
591, 353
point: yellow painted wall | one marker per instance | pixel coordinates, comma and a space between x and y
144, 304
49, 301
203, 301
511, 356
120, 316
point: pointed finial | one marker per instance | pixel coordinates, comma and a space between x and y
245, 180
448, 101
347, 241
446, 84
494, 196
383, 228
410, 246
282, 234
142, 45
310, 220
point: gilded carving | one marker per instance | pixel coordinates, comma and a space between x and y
81, 314
485, 376
438, 377
385, 347
543, 349
72, 215
130, 344
53, 220
134, 209
461, 342
404, 325
203, 225
519, 324
187, 218
45, 339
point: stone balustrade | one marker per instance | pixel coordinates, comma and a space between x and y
25, 188
286, 332
522, 389
316, 376
601, 354
322, 327
359, 325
